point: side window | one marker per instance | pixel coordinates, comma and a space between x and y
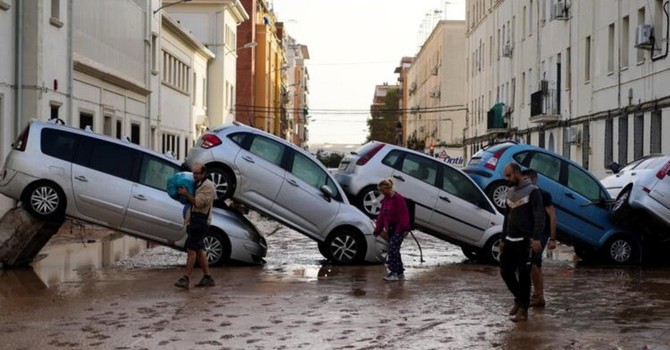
112, 159
420, 168
391, 159
59, 144
546, 165
522, 158
307, 170
267, 149
457, 184
155, 172
238, 138
580, 182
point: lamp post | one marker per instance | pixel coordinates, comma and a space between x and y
245, 46
170, 4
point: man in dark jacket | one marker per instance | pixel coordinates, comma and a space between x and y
522, 230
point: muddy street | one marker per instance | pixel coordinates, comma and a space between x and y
118, 295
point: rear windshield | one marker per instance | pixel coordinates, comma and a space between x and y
498, 147
366, 148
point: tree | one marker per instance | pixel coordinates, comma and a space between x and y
329, 159
384, 120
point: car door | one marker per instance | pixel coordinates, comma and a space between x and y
151, 212
415, 177
101, 180
301, 202
261, 174
461, 211
660, 190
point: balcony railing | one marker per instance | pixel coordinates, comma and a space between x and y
545, 106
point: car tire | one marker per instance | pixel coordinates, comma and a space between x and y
622, 250
224, 182
470, 253
621, 209
369, 201
217, 247
345, 247
491, 251
585, 254
45, 200
497, 193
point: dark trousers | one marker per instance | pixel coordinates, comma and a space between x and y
394, 260
515, 269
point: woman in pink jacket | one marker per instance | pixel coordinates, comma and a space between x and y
393, 224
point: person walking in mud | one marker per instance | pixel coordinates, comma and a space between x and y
198, 218
393, 224
548, 240
522, 231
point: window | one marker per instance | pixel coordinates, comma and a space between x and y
58, 144
530, 19
640, 21
267, 149
307, 170
55, 14
155, 172
135, 133
580, 182
85, 119
523, 88
609, 139
659, 19
154, 53
610, 48
638, 136
194, 91
457, 184
625, 41
107, 126
568, 69
587, 60
655, 137
238, 138
112, 159
420, 168
566, 144
176, 73
119, 129
623, 139
541, 142
546, 165
391, 159
586, 145
54, 108
523, 24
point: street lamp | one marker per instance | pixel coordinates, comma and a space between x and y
170, 4
245, 46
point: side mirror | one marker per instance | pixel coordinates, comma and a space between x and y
615, 167
327, 191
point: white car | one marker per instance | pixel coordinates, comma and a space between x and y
59, 171
449, 205
287, 183
643, 184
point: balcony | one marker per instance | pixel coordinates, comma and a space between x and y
497, 119
545, 106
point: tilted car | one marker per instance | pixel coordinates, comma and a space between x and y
57, 171
287, 183
449, 205
581, 202
643, 184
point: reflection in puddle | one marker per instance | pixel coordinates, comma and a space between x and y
62, 263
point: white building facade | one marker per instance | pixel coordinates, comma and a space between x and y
581, 78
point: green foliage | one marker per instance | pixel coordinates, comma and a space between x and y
329, 159
382, 125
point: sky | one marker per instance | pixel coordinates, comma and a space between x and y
353, 46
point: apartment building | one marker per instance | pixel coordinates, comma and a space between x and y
296, 92
584, 79
402, 71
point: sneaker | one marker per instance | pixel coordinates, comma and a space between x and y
515, 308
206, 281
391, 277
183, 282
401, 276
521, 315
537, 301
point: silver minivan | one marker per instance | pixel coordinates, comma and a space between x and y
58, 171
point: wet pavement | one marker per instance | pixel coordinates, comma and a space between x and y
117, 295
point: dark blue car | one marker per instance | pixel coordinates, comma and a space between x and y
582, 204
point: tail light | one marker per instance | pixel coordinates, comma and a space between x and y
493, 161
365, 158
22, 141
209, 141
663, 171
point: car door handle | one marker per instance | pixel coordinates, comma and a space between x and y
399, 177
140, 197
248, 159
445, 198
292, 182
570, 195
81, 178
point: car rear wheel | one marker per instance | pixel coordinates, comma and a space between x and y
217, 248
344, 247
621, 250
370, 201
45, 200
223, 182
491, 251
497, 192
621, 209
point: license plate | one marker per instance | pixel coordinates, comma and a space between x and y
343, 165
474, 161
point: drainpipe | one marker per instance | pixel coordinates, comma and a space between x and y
18, 62
70, 62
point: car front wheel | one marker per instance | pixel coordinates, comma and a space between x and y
370, 201
497, 192
622, 250
45, 200
344, 247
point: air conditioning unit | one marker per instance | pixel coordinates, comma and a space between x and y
433, 71
574, 135
507, 50
435, 94
560, 11
644, 34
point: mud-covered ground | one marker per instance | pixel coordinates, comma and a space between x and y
85, 295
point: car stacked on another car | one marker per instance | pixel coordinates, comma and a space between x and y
643, 184
287, 183
582, 204
59, 171
449, 205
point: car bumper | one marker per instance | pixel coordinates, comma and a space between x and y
13, 183
377, 249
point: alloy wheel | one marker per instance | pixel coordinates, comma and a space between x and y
44, 200
344, 248
213, 249
372, 202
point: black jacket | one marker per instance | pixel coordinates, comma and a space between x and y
525, 216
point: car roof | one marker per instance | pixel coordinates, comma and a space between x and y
237, 126
409, 150
43, 124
